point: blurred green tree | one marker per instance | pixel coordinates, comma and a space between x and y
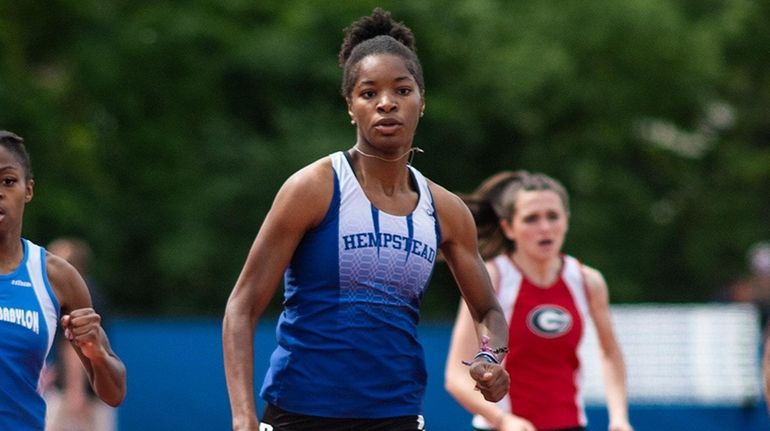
160, 131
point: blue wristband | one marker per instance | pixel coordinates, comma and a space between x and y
487, 356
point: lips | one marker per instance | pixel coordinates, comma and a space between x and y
387, 126
387, 122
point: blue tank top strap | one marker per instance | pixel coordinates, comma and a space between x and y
38, 273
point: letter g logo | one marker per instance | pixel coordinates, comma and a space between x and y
549, 321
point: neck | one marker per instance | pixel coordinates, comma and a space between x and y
381, 171
11, 253
410, 152
541, 272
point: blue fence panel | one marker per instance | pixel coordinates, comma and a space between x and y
176, 381
175, 375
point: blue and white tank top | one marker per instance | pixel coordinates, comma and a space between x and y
347, 338
29, 313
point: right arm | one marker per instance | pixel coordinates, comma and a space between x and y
460, 249
299, 205
460, 385
82, 327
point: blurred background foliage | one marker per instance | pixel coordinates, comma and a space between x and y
161, 130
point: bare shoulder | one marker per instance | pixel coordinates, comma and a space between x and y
444, 199
453, 215
593, 276
596, 285
311, 179
68, 286
307, 192
59, 271
320, 169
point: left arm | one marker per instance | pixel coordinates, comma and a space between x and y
613, 366
82, 326
459, 246
766, 365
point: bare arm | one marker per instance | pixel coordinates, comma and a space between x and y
459, 383
613, 365
460, 249
74, 379
299, 205
82, 326
766, 365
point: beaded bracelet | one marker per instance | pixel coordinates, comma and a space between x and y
500, 350
485, 347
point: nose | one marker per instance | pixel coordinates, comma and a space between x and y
545, 224
386, 103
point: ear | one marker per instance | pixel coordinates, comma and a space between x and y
507, 229
350, 110
29, 191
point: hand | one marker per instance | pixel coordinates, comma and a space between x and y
249, 424
491, 379
83, 328
510, 422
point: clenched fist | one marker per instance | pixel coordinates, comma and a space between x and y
83, 327
491, 379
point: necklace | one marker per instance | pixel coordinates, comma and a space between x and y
409, 151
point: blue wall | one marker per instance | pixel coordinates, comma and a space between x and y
176, 381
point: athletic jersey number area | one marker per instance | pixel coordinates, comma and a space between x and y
347, 338
28, 315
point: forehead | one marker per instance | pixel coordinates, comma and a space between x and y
529, 201
382, 68
8, 159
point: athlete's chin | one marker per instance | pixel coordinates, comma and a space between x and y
391, 145
547, 255
549, 248
390, 139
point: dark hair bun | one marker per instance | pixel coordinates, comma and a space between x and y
379, 23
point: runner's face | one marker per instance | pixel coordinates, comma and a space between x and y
385, 103
15, 190
538, 225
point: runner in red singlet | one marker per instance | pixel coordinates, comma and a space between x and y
548, 298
